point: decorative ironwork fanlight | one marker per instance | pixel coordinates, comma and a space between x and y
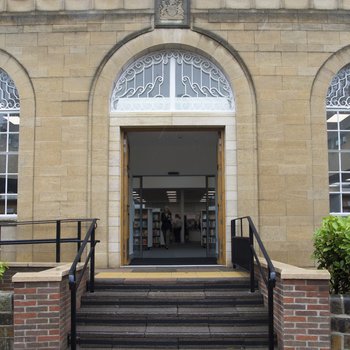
173, 80
338, 95
9, 97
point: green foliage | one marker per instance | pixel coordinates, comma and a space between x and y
3, 268
332, 251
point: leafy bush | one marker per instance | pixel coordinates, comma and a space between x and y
3, 268
332, 251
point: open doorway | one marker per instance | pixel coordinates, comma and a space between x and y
174, 173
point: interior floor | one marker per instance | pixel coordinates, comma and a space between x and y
177, 250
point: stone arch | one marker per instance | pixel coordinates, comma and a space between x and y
105, 174
318, 95
26, 140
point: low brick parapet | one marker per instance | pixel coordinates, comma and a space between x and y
301, 308
42, 308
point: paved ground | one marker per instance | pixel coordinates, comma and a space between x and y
171, 272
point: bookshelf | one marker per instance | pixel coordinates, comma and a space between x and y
211, 223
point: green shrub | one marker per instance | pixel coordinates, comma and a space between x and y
3, 268
332, 251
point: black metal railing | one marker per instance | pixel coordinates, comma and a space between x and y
74, 282
243, 236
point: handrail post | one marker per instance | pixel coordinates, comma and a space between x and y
92, 262
79, 237
58, 241
73, 315
270, 311
251, 263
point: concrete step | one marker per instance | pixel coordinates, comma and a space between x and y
175, 314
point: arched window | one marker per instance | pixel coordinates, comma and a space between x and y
172, 80
338, 130
9, 139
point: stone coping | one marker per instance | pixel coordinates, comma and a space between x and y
294, 272
199, 5
53, 273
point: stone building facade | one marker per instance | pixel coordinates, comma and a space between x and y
279, 57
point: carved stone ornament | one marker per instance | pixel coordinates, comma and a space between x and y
172, 13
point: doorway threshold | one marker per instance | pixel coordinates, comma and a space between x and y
173, 261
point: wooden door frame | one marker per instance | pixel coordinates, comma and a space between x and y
124, 199
124, 202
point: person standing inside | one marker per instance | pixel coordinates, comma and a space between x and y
166, 226
177, 228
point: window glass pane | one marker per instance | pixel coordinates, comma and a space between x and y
3, 122
2, 183
344, 121
346, 203
333, 143
345, 140
345, 161
11, 205
12, 184
13, 163
2, 205
332, 123
334, 183
333, 161
2, 163
334, 202
13, 142
3, 142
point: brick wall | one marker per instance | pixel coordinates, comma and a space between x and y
42, 311
340, 318
301, 308
6, 321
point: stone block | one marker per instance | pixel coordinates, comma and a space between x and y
49, 5
346, 301
20, 5
108, 4
296, 4
206, 4
5, 302
73, 5
238, 4
138, 5
325, 4
267, 4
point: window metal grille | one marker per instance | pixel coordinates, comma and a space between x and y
172, 81
9, 140
338, 132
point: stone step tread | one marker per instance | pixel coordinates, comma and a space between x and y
172, 347
186, 343
173, 330
172, 294
173, 310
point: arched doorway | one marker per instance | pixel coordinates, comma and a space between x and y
171, 197
108, 128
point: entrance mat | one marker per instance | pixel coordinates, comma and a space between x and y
173, 261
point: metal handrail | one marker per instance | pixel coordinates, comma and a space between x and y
270, 279
74, 282
81, 245
58, 240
